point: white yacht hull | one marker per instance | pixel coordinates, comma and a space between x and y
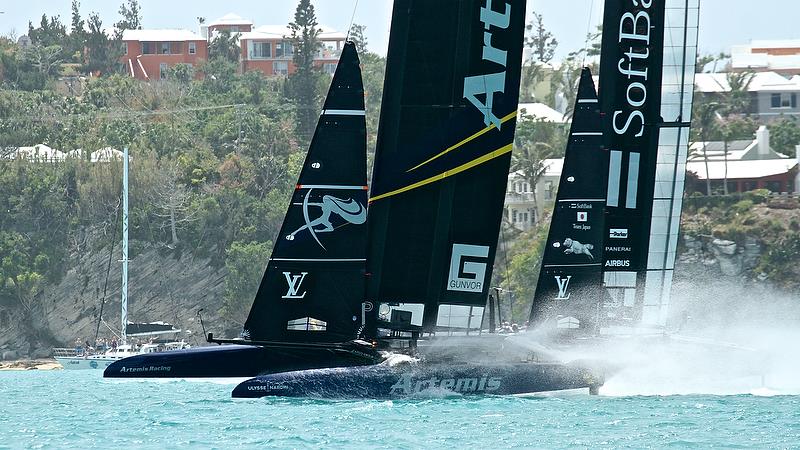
89, 362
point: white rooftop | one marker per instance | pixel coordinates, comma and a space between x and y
742, 56
230, 19
777, 43
161, 35
282, 31
38, 152
741, 169
552, 168
760, 82
540, 111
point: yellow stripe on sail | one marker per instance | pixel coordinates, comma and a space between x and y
466, 166
474, 136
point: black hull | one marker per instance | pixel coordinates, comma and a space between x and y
222, 361
384, 382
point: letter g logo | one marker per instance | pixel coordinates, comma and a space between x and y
466, 275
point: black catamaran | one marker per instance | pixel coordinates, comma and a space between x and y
308, 311
629, 223
438, 187
569, 292
441, 167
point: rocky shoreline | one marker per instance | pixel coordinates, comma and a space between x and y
31, 364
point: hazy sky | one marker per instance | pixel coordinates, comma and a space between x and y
722, 23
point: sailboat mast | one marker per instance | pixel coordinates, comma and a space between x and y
124, 302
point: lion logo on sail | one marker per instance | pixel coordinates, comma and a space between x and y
350, 210
573, 247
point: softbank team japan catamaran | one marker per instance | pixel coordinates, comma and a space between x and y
308, 311
608, 264
443, 154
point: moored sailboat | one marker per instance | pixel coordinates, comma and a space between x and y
308, 310
89, 358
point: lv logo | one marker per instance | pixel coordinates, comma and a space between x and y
294, 283
563, 285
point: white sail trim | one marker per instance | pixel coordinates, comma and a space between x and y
459, 316
306, 324
343, 112
680, 52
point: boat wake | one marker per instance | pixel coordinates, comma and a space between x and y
757, 363
221, 381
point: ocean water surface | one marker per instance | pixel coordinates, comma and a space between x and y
80, 409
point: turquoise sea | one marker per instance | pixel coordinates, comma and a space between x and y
81, 410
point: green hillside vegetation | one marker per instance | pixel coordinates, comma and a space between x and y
772, 222
213, 164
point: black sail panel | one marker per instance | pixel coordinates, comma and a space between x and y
630, 93
313, 285
446, 130
569, 289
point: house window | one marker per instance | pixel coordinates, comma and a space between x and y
283, 49
329, 68
778, 100
548, 190
148, 48
259, 50
234, 28
328, 50
280, 68
125, 48
192, 48
514, 215
775, 100
162, 70
165, 48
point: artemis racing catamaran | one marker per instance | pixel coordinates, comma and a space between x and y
438, 185
444, 147
308, 311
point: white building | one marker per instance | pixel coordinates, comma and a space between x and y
524, 205
771, 94
747, 165
781, 56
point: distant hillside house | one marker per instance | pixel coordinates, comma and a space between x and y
269, 50
771, 95
229, 22
751, 164
782, 56
149, 54
524, 205
542, 112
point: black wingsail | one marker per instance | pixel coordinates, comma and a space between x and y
569, 291
444, 147
646, 82
313, 285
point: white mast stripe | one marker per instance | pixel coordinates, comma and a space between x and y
633, 180
614, 175
330, 186
318, 259
343, 112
